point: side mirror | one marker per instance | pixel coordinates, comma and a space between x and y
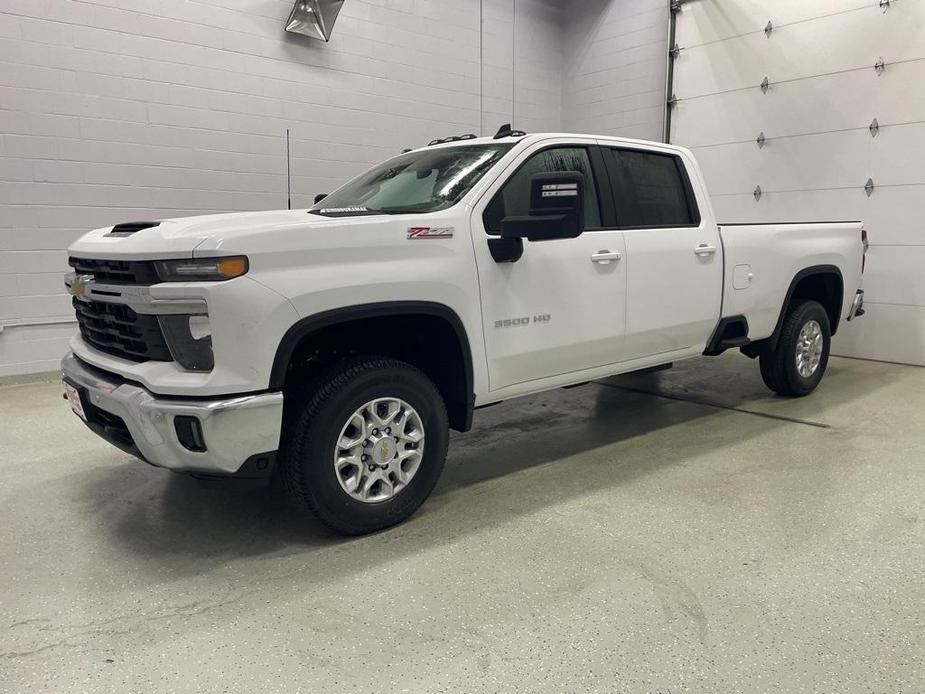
556, 209
320, 197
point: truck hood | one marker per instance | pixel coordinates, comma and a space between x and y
180, 237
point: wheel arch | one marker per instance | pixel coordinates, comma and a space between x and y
823, 283
456, 385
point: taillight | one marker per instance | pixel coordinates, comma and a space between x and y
866, 245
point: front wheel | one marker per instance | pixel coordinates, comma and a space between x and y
364, 447
795, 367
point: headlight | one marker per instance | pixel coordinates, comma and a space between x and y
189, 339
201, 269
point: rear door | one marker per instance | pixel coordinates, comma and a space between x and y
560, 308
674, 259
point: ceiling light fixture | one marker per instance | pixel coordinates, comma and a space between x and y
314, 18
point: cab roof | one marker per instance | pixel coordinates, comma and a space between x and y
539, 137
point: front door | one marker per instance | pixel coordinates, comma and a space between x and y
560, 308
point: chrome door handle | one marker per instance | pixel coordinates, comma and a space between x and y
704, 249
605, 257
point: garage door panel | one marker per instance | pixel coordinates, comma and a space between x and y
800, 51
894, 275
821, 206
891, 215
831, 102
703, 21
898, 155
832, 160
888, 332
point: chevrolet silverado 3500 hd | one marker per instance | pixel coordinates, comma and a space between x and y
340, 343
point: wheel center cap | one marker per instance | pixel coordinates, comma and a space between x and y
383, 450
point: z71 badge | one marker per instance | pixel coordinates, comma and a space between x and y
430, 232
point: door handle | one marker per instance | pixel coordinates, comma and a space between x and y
703, 249
605, 257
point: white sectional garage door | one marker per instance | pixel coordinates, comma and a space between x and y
819, 150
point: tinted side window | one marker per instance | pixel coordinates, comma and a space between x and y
514, 197
650, 190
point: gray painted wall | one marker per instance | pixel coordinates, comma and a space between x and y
614, 70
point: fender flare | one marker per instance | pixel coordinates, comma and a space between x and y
801, 275
306, 326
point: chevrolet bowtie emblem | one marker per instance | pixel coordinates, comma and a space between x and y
78, 286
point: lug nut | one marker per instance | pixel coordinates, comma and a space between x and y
364, 457
388, 430
375, 432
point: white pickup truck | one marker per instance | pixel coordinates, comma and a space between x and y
339, 344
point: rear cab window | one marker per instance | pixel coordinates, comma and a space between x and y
651, 190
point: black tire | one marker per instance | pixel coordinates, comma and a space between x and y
314, 420
779, 366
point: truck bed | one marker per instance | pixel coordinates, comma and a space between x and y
762, 261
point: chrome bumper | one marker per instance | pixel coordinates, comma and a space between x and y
857, 306
235, 429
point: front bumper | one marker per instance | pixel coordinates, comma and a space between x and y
241, 433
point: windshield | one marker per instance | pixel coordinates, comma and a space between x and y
423, 181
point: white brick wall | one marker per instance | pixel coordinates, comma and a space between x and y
536, 37
114, 110
614, 73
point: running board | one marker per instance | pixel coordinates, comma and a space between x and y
651, 369
733, 342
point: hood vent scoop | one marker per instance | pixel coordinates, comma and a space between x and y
129, 228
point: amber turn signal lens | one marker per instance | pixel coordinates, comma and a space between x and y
229, 268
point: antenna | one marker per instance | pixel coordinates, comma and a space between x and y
506, 131
288, 174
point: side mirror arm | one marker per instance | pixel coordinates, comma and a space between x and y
506, 250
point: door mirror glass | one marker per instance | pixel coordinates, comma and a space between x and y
556, 209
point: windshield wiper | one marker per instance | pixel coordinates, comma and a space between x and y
355, 211
429, 206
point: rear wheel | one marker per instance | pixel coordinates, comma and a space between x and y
364, 445
797, 364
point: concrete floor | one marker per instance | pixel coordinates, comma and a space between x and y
681, 531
